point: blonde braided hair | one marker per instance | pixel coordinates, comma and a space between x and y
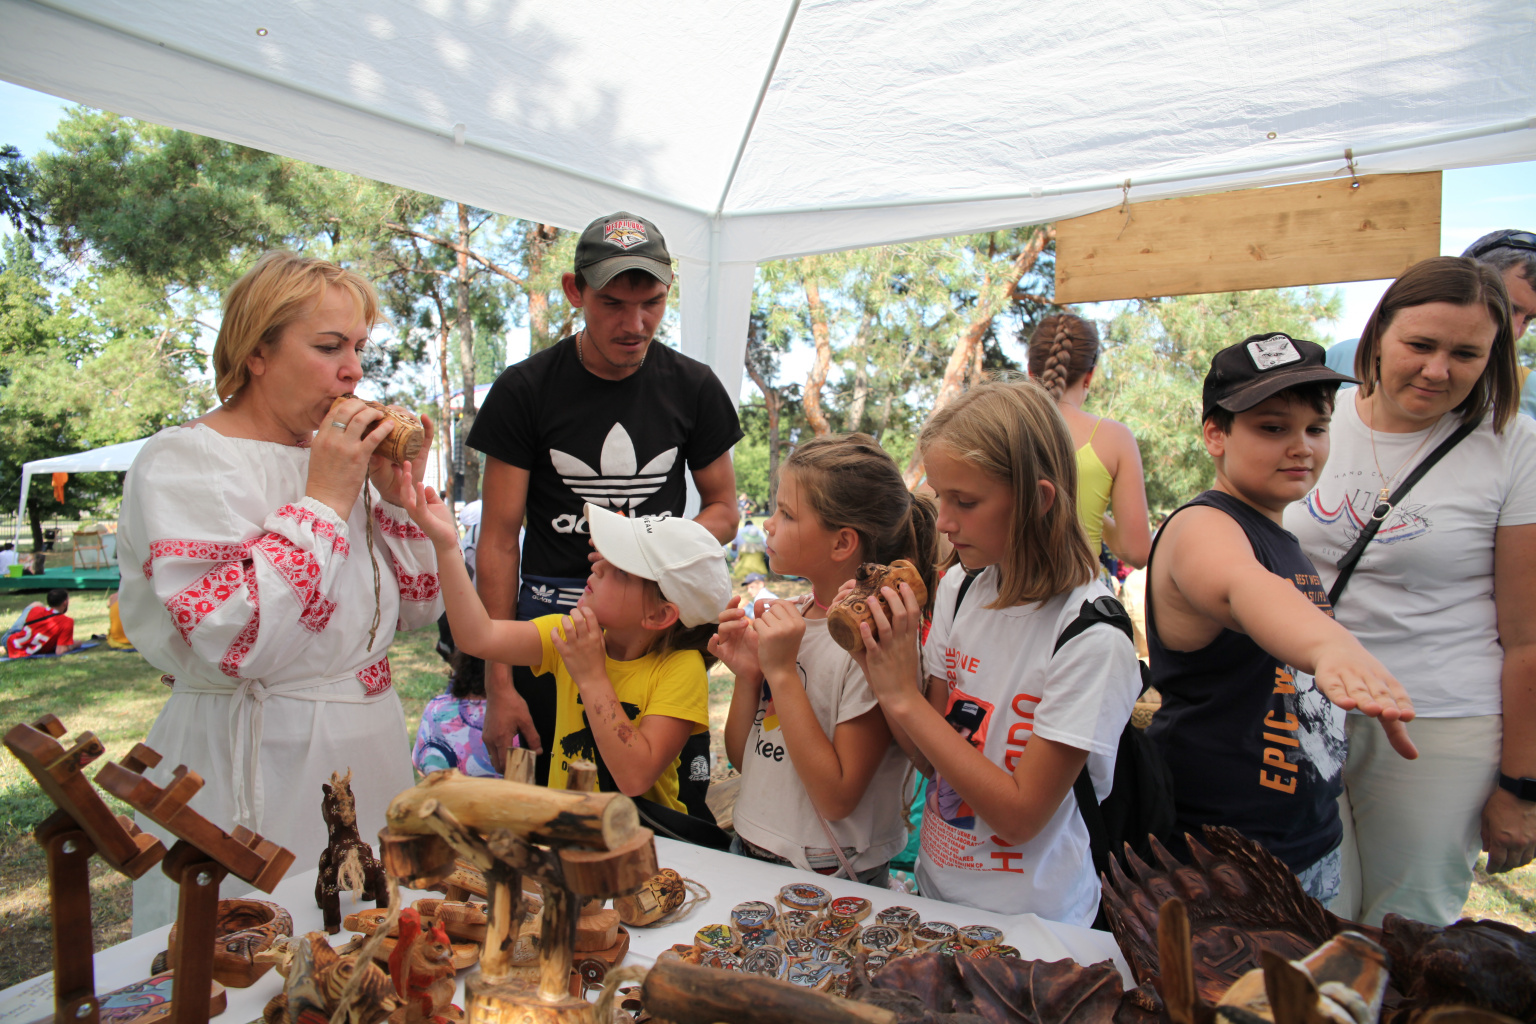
1062, 350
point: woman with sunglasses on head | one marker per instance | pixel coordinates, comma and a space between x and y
1441, 589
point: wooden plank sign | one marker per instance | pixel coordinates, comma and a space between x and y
1318, 233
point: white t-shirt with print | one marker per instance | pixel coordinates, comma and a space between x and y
775, 812
1421, 599
1004, 688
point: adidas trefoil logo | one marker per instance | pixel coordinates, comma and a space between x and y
615, 484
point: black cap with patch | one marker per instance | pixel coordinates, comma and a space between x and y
1243, 375
618, 242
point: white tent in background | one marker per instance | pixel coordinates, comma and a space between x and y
773, 128
112, 458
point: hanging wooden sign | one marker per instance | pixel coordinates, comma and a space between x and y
1322, 232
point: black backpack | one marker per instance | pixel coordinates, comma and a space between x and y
1140, 801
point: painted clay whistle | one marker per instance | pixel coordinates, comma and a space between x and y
852, 608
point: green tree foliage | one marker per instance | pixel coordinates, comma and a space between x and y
1153, 364
77, 371
17, 203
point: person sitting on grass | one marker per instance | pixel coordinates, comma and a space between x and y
43, 628
1254, 672
630, 673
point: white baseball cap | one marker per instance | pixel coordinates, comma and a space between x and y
680, 555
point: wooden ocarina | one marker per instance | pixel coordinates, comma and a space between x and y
242, 929
655, 899
406, 438
852, 608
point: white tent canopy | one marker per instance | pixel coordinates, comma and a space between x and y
764, 129
112, 458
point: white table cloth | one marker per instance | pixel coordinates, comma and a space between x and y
730, 880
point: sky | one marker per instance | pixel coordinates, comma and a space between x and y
1474, 201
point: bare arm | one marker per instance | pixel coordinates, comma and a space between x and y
735, 644
635, 755
716, 484
1127, 532
504, 500
1509, 824
1214, 575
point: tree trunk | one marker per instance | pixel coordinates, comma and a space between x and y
444, 445
818, 376
966, 349
35, 520
539, 240
466, 327
772, 399
855, 415
885, 414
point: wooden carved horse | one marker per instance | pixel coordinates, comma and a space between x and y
347, 862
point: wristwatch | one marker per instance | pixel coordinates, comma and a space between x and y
1524, 789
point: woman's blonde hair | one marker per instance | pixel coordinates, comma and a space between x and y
849, 480
1012, 430
280, 287
1459, 281
1063, 350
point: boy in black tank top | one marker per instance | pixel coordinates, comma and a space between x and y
1254, 673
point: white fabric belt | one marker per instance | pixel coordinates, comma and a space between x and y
247, 714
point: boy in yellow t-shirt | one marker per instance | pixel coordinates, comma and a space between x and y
632, 681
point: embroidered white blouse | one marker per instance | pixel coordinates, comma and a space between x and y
257, 603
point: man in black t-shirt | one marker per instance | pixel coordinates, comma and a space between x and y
604, 416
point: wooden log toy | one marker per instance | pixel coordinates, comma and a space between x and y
202, 856
596, 821
82, 826
852, 608
347, 862
406, 435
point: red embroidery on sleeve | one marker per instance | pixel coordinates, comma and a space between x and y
191, 606
423, 587
201, 550
301, 571
376, 678
322, 528
246, 638
395, 528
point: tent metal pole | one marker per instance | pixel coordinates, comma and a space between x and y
1171, 178
762, 93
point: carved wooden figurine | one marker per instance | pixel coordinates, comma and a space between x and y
421, 966
347, 862
243, 929
315, 975
852, 608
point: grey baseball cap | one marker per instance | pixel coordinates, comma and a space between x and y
618, 242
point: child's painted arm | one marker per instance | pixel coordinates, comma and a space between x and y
1213, 568
635, 755
836, 769
474, 631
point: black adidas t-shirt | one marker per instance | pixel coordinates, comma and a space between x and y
622, 444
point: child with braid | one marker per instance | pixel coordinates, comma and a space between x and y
1063, 352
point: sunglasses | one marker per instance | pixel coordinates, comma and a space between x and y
1515, 240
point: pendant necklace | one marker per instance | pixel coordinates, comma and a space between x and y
1383, 497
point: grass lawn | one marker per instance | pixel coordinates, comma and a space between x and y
117, 695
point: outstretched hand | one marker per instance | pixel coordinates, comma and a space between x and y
1355, 681
427, 511
890, 658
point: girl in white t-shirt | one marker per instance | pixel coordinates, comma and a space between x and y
822, 783
1005, 726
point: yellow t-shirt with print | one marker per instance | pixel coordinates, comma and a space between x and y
676, 685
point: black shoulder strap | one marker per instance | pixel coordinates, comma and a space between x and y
1383, 509
1110, 611
965, 585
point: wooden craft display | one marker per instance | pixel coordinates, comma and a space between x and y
593, 848
406, 436
82, 826
347, 862
197, 863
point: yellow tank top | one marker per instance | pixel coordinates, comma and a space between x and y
1093, 484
